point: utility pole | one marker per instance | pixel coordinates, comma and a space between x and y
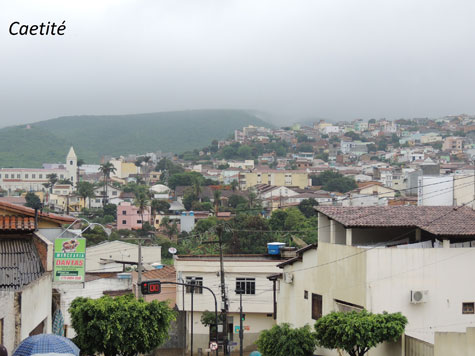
139, 266
241, 331
219, 230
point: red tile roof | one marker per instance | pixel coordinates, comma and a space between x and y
437, 220
18, 209
10, 223
167, 272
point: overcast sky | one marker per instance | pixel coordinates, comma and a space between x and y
329, 59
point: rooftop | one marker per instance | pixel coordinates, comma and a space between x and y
437, 220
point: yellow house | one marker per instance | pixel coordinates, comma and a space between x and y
60, 202
287, 178
375, 188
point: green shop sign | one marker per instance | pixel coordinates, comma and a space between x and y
69, 259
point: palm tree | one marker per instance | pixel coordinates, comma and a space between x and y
86, 190
106, 169
196, 187
216, 196
234, 185
52, 179
142, 201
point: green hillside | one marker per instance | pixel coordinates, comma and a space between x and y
95, 136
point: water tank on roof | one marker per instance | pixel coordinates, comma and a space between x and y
273, 248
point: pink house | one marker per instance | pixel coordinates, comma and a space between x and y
129, 218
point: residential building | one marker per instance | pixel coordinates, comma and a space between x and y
130, 218
288, 178
123, 169
247, 272
453, 144
164, 274
397, 259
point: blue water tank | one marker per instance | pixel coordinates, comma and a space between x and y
273, 248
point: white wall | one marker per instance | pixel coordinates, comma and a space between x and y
36, 305
7, 313
445, 272
433, 191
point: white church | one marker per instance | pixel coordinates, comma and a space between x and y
32, 179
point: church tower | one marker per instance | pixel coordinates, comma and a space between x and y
72, 166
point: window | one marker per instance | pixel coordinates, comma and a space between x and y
114, 192
33, 176
18, 176
247, 285
6, 175
305, 294
124, 212
198, 281
98, 200
70, 163
316, 306
124, 222
61, 176
41, 176
26, 175
468, 308
139, 221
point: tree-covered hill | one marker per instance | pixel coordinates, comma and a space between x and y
95, 136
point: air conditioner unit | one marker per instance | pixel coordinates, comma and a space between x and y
288, 277
419, 296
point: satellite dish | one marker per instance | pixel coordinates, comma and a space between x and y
172, 250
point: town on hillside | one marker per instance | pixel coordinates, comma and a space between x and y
329, 238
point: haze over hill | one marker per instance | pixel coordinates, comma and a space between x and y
95, 136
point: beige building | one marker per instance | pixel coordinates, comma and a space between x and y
123, 169
397, 259
287, 178
241, 271
453, 144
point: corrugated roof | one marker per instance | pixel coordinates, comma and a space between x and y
437, 220
19, 263
10, 223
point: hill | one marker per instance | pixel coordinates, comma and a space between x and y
95, 136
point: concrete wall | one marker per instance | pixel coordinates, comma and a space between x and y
444, 272
7, 314
36, 302
434, 191
452, 343
464, 185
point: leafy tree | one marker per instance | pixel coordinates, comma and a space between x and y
33, 201
342, 185
283, 340
204, 225
111, 210
158, 205
235, 200
358, 332
353, 135
305, 148
121, 326
234, 185
52, 179
307, 207
85, 190
371, 147
216, 198
244, 152
185, 179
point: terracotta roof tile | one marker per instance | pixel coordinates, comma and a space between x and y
437, 220
167, 272
14, 208
17, 223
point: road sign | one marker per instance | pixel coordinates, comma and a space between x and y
236, 329
213, 346
154, 287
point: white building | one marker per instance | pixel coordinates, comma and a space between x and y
32, 179
404, 259
248, 272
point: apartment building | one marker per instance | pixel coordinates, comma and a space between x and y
287, 178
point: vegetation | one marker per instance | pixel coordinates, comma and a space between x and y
86, 191
121, 326
33, 201
283, 340
333, 182
95, 136
358, 332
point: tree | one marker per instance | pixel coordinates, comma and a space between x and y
357, 332
234, 185
52, 179
85, 190
333, 182
33, 201
307, 207
235, 200
106, 169
142, 201
216, 198
158, 205
121, 326
283, 340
